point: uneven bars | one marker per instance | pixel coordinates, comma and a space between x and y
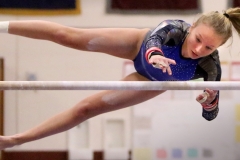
118, 85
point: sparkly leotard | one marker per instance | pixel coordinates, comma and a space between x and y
169, 37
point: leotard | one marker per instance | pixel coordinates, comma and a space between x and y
169, 37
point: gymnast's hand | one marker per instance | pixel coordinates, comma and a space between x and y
162, 63
207, 96
6, 142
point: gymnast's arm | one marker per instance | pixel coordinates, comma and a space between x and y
210, 111
209, 68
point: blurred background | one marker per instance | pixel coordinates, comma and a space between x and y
167, 127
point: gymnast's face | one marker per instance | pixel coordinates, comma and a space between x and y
200, 42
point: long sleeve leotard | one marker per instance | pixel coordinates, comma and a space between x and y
169, 37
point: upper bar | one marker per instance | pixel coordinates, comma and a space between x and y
119, 85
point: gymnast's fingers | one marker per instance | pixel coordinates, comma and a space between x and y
164, 69
169, 71
202, 97
170, 61
211, 92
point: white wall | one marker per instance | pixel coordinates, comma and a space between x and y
49, 61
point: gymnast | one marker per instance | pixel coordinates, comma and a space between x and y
173, 51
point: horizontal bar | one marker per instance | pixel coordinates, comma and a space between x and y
118, 85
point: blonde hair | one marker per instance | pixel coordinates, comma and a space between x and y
222, 22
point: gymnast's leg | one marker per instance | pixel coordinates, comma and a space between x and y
120, 42
102, 102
